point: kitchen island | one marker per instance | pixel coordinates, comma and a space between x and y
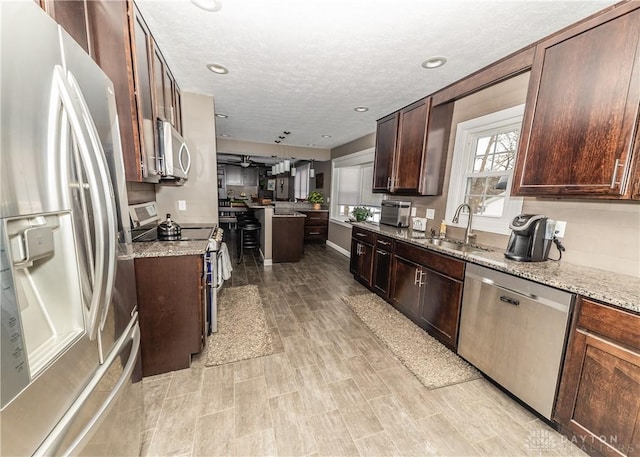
288, 235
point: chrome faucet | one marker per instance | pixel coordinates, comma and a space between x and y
456, 217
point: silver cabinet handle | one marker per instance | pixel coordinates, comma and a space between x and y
415, 277
423, 274
389, 182
381, 252
361, 234
314, 233
616, 165
386, 243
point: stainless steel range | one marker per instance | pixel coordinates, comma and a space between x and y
145, 222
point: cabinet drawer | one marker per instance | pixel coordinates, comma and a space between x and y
446, 265
315, 233
363, 235
385, 243
619, 325
316, 217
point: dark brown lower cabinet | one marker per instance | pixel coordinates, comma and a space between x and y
381, 271
598, 406
361, 263
440, 310
171, 311
406, 291
288, 239
427, 288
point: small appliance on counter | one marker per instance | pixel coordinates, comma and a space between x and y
395, 213
419, 224
531, 238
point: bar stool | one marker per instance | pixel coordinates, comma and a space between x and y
249, 236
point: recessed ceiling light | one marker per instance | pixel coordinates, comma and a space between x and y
222, 116
361, 109
208, 5
224, 135
311, 144
434, 62
217, 68
326, 136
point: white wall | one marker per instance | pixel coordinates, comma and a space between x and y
200, 192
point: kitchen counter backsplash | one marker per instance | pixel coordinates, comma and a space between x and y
613, 288
169, 248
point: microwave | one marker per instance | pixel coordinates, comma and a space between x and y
175, 159
395, 213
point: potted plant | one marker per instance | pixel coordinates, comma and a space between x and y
361, 213
316, 198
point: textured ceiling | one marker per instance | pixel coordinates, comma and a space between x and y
303, 65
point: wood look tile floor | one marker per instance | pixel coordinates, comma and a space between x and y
330, 389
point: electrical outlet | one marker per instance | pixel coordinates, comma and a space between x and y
561, 226
431, 213
413, 211
182, 205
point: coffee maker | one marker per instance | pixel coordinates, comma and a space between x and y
531, 238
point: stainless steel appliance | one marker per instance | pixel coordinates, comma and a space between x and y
395, 213
175, 159
531, 238
144, 219
70, 341
514, 331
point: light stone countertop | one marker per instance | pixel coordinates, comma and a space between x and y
287, 213
616, 289
169, 248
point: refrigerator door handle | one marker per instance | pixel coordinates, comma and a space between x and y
104, 210
58, 434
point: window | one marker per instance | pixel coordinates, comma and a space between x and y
301, 184
482, 170
351, 186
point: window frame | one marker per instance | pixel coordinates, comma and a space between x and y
356, 159
466, 134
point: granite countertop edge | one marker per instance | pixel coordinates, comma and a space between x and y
169, 248
616, 289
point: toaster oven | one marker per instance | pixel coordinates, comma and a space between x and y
395, 213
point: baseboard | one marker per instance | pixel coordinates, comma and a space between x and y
265, 262
340, 249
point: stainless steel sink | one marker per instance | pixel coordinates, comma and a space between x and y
455, 246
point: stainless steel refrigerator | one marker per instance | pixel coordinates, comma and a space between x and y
71, 381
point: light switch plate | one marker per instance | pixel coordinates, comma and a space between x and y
560, 228
413, 211
182, 205
431, 213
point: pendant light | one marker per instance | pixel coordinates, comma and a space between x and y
312, 171
287, 164
293, 171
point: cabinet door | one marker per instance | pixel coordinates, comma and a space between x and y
603, 399
381, 271
582, 106
158, 83
169, 102
72, 16
412, 131
177, 97
111, 44
361, 263
405, 288
234, 176
144, 98
440, 307
386, 134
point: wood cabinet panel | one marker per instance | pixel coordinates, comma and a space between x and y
412, 131
578, 132
599, 398
411, 149
363, 235
386, 136
361, 262
381, 271
440, 307
443, 264
72, 16
169, 292
405, 292
288, 239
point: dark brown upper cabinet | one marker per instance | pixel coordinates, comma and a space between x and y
72, 16
411, 148
580, 129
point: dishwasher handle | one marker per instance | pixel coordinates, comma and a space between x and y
511, 301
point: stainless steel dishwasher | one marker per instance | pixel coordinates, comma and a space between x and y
514, 330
